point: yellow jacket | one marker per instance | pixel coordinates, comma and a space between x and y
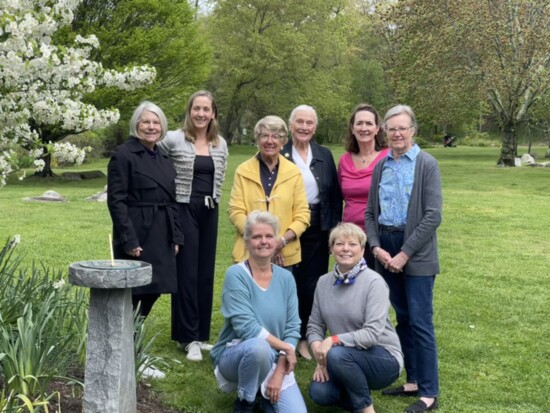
288, 202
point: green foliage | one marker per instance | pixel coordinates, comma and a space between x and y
161, 33
449, 58
39, 322
276, 55
19, 403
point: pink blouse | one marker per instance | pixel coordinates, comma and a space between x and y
355, 184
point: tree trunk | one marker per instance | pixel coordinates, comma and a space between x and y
231, 121
507, 152
47, 171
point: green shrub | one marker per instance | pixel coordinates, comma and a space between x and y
18, 403
42, 325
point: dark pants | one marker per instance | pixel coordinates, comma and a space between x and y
192, 305
353, 373
145, 302
412, 298
369, 257
315, 255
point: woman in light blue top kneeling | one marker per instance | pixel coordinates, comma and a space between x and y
256, 347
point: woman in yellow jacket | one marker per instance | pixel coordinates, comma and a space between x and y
269, 182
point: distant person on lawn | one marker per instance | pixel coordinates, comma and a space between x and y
256, 347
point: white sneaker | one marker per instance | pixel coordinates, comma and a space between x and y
151, 372
205, 346
194, 351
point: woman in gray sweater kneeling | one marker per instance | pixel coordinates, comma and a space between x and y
363, 350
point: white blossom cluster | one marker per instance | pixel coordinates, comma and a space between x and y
65, 152
43, 84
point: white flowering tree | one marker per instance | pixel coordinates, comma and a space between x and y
43, 85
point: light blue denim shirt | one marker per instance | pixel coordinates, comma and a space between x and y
396, 186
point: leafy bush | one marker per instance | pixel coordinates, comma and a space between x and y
18, 403
42, 325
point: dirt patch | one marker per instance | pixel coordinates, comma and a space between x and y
70, 398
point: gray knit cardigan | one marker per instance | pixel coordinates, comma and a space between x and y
182, 152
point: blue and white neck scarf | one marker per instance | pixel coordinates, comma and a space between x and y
349, 277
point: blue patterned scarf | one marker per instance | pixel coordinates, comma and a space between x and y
349, 277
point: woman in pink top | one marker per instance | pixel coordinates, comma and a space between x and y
365, 146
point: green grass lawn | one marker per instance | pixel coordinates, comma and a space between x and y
492, 312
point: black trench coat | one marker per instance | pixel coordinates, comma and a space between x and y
141, 196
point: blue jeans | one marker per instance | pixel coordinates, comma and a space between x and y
248, 364
352, 374
412, 299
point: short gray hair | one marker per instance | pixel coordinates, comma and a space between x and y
260, 217
304, 108
399, 110
150, 107
347, 230
273, 124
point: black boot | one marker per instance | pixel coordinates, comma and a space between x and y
243, 406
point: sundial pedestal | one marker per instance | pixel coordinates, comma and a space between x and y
110, 381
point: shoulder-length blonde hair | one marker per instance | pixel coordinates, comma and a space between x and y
212, 132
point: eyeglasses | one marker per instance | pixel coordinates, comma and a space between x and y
393, 131
150, 122
264, 137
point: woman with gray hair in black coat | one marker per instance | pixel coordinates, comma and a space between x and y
141, 197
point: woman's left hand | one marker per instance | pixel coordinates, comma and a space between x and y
320, 374
322, 350
176, 249
274, 387
397, 263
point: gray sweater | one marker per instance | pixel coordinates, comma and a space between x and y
423, 217
182, 152
357, 313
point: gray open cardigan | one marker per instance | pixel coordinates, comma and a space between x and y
423, 216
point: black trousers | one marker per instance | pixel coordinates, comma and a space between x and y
315, 256
145, 302
192, 304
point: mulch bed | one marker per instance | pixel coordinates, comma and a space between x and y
148, 401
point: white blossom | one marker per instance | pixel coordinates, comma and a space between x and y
45, 83
40, 164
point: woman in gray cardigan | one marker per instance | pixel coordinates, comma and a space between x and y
199, 155
403, 213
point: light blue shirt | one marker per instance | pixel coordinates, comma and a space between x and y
251, 311
396, 186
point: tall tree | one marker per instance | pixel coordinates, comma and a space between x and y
271, 55
43, 84
160, 33
449, 56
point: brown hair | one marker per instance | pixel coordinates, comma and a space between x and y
213, 128
351, 144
